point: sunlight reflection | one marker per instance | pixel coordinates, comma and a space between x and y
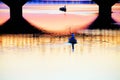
4, 13
96, 57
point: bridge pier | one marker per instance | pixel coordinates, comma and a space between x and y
104, 19
105, 10
15, 12
17, 24
105, 6
15, 8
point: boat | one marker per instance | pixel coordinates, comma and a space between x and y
63, 8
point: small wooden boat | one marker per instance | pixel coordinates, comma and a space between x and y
63, 9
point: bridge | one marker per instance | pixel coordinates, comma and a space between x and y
62, 1
16, 6
16, 9
104, 17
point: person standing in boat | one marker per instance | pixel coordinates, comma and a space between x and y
72, 40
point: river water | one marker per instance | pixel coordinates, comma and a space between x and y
48, 57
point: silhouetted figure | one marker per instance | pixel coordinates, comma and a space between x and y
63, 8
72, 40
104, 20
16, 23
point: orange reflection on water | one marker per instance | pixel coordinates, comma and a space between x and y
116, 17
60, 22
78, 16
49, 18
4, 13
3, 19
96, 57
116, 13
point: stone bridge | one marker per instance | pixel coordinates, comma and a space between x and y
16, 7
17, 18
